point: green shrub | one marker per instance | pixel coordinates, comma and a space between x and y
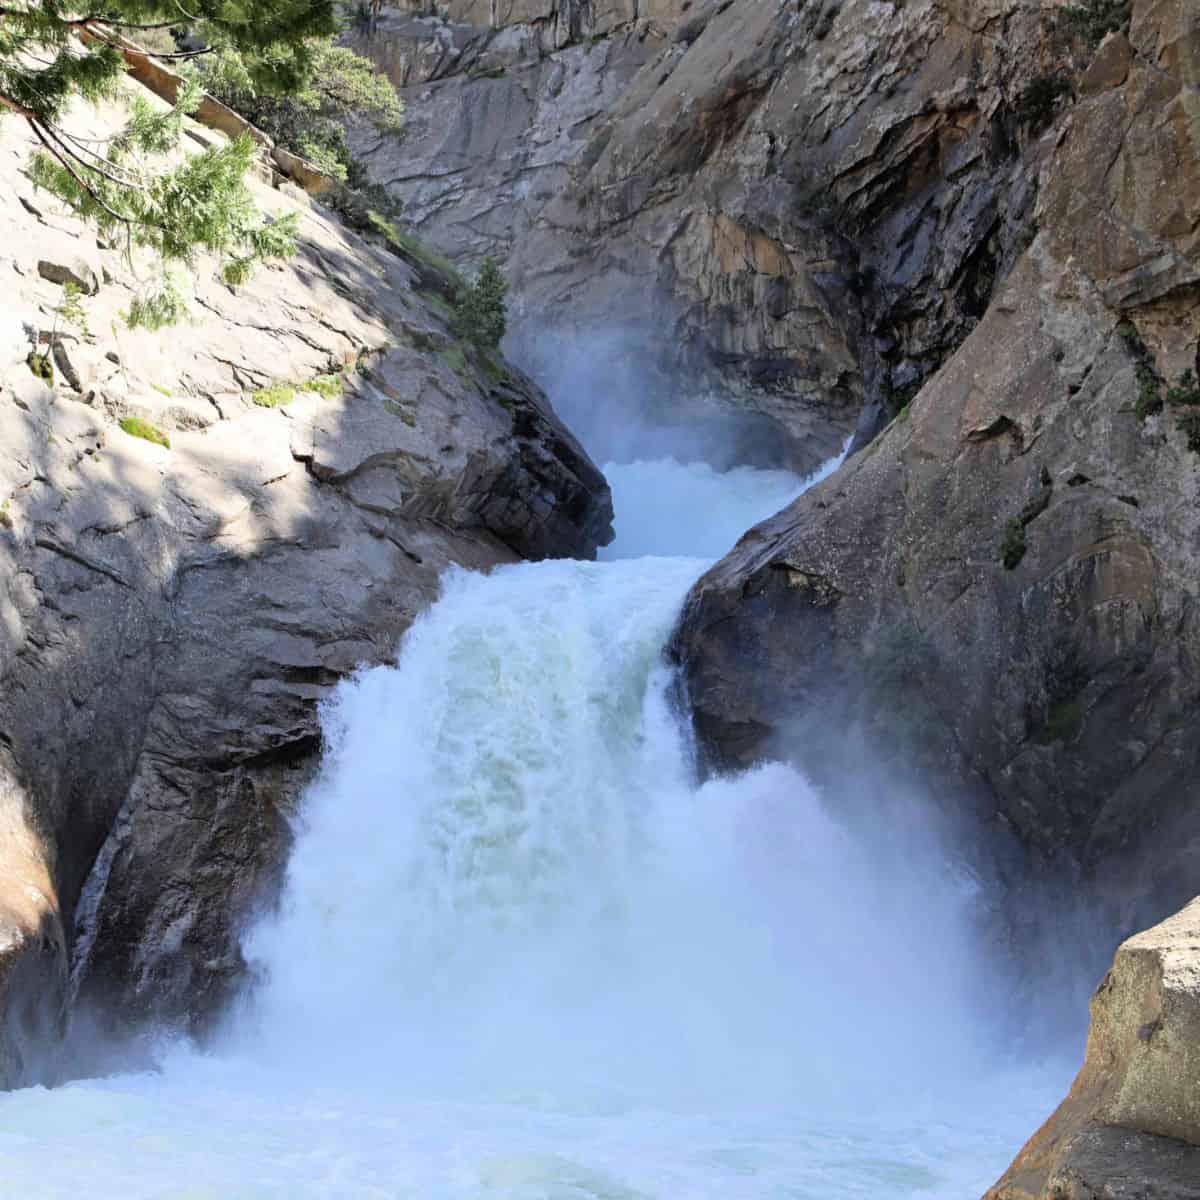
136, 427
274, 396
454, 355
41, 366
281, 392
1036, 104
1149, 399
482, 315
496, 369
308, 122
329, 386
1094, 20
1013, 547
167, 304
1186, 394
1189, 424
1186, 390
71, 311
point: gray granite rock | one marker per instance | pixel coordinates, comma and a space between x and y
170, 617
795, 212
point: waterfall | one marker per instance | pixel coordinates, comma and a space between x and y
523, 954
507, 881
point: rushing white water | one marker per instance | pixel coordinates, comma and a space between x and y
522, 956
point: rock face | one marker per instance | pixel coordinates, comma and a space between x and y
171, 616
790, 209
1131, 1125
1005, 585
493, 121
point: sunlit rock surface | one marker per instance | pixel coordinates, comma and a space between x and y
1131, 1125
171, 617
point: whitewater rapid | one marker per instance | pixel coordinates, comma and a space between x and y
522, 955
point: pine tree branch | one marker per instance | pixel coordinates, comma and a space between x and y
101, 165
7, 10
60, 138
64, 159
93, 27
175, 56
19, 109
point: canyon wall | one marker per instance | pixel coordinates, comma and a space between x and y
960, 216
791, 211
1005, 584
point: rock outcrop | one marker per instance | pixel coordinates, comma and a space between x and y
201, 531
1131, 1125
1005, 585
792, 210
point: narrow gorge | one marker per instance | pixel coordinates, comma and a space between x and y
711, 743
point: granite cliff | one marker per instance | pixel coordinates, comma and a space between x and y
1011, 565
201, 531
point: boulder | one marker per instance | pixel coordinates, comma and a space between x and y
1130, 1128
71, 266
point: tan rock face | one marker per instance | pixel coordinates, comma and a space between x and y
33, 952
1129, 210
1131, 1125
170, 617
1055, 697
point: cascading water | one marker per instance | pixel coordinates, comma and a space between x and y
521, 955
